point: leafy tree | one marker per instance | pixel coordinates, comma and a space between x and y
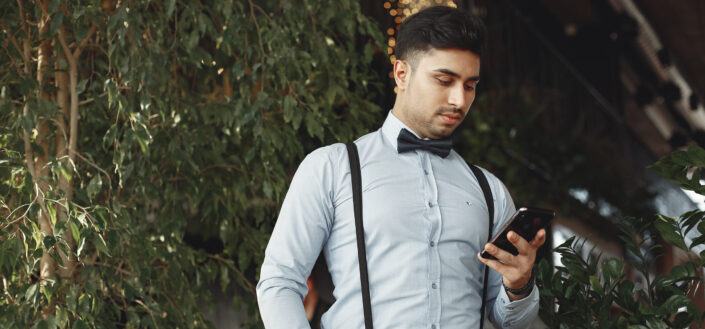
145, 147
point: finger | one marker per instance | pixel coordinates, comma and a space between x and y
493, 264
501, 255
539, 239
520, 243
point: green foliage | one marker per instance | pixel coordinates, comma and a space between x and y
590, 292
193, 116
684, 168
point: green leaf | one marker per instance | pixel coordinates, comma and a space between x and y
612, 269
81, 245
696, 155
62, 317
100, 244
82, 219
94, 186
267, 189
170, 7
49, 242
47, 293
673, 303
75, 233
53, 5
224, 278
31, 293
42, 324
52, 213
79, 324
84, 305
596, 285
288, 108
81, 86
27, 122
670, 232
57, 20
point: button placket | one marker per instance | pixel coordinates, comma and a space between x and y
434, 216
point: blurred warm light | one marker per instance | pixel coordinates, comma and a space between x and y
390, 31
387, 5
392, 42
390, 50
393, 12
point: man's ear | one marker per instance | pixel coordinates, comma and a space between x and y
402, 73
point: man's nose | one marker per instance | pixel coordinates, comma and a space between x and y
456, 97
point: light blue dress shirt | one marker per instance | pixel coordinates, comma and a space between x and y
425, 220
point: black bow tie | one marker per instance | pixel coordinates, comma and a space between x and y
408, 142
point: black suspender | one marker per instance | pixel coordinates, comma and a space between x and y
360, 233
490, 207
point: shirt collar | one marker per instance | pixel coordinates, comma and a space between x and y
391, 128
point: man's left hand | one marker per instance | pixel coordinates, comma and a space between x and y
515, 270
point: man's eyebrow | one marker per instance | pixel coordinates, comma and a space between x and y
456, 75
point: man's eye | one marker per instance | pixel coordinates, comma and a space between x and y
444, 82
469, 87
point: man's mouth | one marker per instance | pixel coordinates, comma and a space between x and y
451, 118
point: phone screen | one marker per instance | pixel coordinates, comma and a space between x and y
526, 222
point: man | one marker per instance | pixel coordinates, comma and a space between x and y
425, 216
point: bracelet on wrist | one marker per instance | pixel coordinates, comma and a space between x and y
525, 290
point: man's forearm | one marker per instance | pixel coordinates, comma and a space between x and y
281, 307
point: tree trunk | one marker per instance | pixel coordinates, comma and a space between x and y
41, 177
62, 145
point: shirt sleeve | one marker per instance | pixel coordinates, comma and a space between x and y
504, 313
299, 234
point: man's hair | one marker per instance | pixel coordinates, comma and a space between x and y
439, 27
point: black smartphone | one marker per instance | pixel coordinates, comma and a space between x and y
526, 222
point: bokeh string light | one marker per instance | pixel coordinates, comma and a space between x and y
399, 10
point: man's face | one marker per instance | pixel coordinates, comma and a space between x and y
437, 93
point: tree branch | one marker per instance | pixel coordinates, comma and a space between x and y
12, 38
64, 45
259, 37
92, 164
23, 18
90, 100
227, 262
12, 61
83, 43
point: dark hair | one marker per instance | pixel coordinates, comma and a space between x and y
440, 27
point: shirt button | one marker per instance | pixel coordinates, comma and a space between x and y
430, 205
432, 243
433, 326
425, 172
434, 286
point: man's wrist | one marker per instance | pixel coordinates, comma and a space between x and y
522, 291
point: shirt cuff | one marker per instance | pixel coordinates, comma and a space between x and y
517, 312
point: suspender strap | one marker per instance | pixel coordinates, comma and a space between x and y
490, 207
360, 232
